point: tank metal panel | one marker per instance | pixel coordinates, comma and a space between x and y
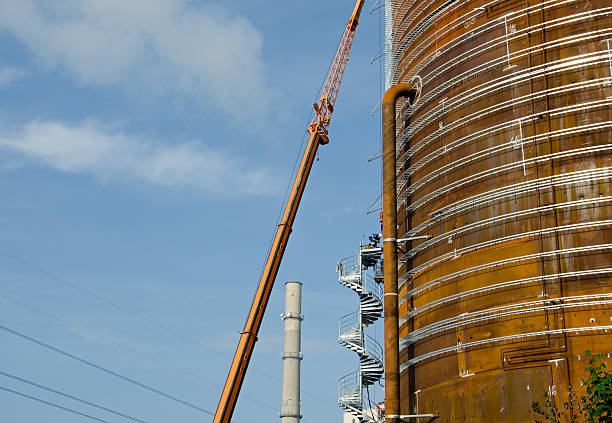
505, 161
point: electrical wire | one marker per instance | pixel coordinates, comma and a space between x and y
72, 397
119, 344
168, 330
125, 310
109, 302
140, 317
104, 369
61, 407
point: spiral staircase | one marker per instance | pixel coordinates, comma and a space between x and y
363, 274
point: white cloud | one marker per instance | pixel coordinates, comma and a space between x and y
9, 75
167, 47
113, 155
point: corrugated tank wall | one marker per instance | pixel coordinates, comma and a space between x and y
505, 161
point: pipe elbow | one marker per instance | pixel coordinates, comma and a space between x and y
397, 91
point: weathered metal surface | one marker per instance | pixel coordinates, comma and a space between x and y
506, 161
392, 382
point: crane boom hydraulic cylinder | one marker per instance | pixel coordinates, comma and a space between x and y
318, 130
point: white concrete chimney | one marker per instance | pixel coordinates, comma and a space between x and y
290, 412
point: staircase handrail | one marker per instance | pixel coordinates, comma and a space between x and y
373, 348
378, 269
348, 322
349, 383
369, 284
348, 265
358, 273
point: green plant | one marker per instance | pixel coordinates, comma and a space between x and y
597, 402
594, 407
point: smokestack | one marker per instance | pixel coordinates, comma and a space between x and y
290, 412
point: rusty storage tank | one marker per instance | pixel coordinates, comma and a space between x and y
505, 160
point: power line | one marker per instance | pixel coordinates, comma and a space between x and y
126, 347
103, 369
119, 344
107, 301
70, 410
46, 388
143, 318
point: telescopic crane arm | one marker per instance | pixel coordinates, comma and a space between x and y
318, 130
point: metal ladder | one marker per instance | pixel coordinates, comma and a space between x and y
353, 274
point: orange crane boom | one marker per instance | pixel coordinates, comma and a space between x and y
318, 130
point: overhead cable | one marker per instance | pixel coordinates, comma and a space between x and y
105, 370
46, 388
135, 351
140, 317
61, 407
109, 302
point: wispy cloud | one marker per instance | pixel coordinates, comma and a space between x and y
9, 75
168, 47
113, 155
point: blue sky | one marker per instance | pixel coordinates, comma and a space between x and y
145, 148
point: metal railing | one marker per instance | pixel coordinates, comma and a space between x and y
350, 269
568, 64
349, 327
350, 390
379, 270
466, 319
509, 167
507, 284
575, 252
348, 265
480, 114
482, 199
290, 408
452, 234
373, 287
461, 347
585, 226
373, 348
358, 274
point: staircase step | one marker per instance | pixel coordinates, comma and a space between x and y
371, 368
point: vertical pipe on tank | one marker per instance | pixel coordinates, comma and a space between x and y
290, 411
392, 372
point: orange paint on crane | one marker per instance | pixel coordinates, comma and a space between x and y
318, 130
